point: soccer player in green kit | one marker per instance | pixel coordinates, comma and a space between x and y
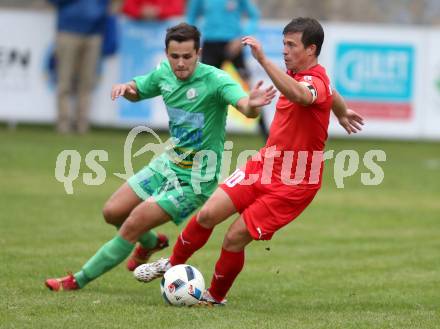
196, 97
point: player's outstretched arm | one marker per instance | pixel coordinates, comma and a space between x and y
293, 90
258, 97
127, 90
351, 121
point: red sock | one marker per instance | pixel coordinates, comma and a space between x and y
192, 238
228, 266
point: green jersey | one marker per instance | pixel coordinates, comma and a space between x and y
197, 109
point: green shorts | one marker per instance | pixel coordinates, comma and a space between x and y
172, 192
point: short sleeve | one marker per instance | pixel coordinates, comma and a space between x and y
148, 85
317, 88
229, 90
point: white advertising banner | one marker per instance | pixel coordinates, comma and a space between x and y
379, 70
25, 41
390, 74
431, 87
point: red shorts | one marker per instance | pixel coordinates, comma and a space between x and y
265, 208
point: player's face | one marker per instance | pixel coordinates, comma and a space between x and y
183, 58
296, 57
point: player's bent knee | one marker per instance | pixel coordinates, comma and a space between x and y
110, 214
130, 230
129, 225
232, 240
206, 217
236, 239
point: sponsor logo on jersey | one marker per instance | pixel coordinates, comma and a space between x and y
191, 93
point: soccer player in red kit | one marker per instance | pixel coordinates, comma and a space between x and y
277, 184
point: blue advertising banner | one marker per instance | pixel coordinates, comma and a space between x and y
377, 78
142, 49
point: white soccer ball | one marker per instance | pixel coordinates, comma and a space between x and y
182, 285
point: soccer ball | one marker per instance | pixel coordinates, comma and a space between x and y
182, 285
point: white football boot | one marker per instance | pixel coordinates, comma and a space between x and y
150, 271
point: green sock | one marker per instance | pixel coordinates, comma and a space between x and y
108, 256
148, 240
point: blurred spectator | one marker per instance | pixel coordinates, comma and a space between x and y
224, 23
425, 12
153, 9
80, 27
222, 28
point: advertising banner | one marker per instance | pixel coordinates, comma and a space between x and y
390, 74
379, 69
431, 87
25, 94
376, 79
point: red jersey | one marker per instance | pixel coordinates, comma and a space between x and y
166, 8
298, 133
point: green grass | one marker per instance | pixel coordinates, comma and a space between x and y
358, 257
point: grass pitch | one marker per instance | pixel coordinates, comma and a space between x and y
358, 257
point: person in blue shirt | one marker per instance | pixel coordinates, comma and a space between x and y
223, 23
80, 28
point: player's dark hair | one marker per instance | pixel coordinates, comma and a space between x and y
183, 32
312, 31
